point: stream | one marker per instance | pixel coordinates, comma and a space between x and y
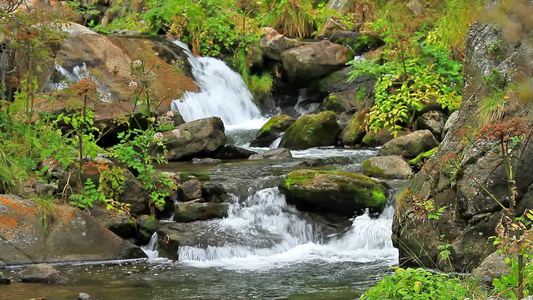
264, 249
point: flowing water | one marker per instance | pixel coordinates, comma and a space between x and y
265, 248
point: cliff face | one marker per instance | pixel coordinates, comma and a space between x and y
470, 215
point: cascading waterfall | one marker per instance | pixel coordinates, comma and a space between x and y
222, 93
268, 233
150, 249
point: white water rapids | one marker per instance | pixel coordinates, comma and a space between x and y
222, 93
271, 234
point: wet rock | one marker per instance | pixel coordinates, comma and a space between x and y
409, 146
326, 161
66, 235
42, 273
314, 60
118, 222
278, 153
348, 101
312, 131
387, 167
354, 132
337, 81
272, 130
190, 190
194, 139
195, 211
4, 280
376, 139
206, 161
85, 296
490, 268
342, 193
146, 226
44, 189
433, 121
452, 119
273, 44
213, 192
233, 152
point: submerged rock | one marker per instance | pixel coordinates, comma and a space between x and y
342, 193
272, 130
42, 273
312, 131
388, 167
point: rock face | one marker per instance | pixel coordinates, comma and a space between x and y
42, 273
389, 167
492, 267
409, 146
69, 235
470, 216
342, 193
314, 60
312, 131
195, 138
272, 130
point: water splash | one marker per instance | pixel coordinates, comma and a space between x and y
223, 93
150, 249
270, 234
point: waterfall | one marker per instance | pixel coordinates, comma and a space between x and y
151, 248
266, 232
275, 144
222, 93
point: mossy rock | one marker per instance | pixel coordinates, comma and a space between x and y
342, 193
272, 130
355, 131
424, 155
202, 176
190, 212
312, 131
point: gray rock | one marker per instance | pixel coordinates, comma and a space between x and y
337, 81
490, 268
195, 138
329, 27
312, 61
195, 211
278, 153
409, 146
85, 296
213, 192
388, 167
233, 152
42, 273
256, 157
452, 119
44, 189
206, 160
4, 280
190, 190
433, 121
273, 43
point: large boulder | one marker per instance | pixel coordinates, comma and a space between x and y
272, 130
388, 167
42, 273
337, 81
195, 138
492, 267
273, 43
62, 234
470, 216
342, 193
314, 60
312, 131
409, 146
195, 211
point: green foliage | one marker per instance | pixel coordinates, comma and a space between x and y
404, 87
506, 285
89, 194
420, 284
111, 183
293, 18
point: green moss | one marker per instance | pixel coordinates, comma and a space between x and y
273, 122
415, 161
368, 168
312, 131
354, 132
202, 176
360, 94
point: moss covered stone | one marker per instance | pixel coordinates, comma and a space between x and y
336, 192
312, 131
193, 211
389, 167
424, 155
355, 130
272, 130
